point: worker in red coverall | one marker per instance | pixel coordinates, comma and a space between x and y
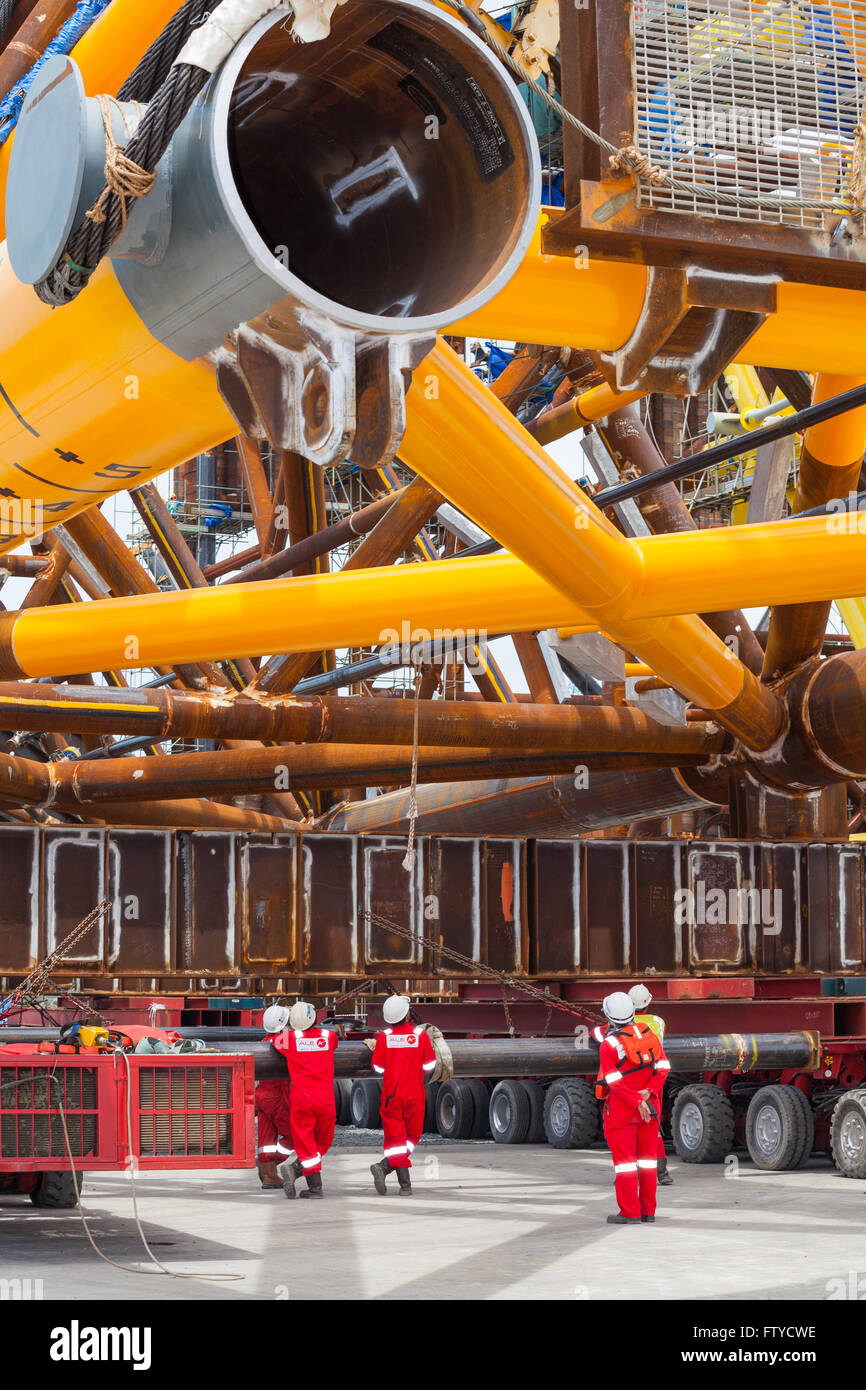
402, 1055
641, 997
273, 1124
631, 1076
309, 1054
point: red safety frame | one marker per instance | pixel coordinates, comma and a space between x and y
15, 1111
239, 1109
114, 1148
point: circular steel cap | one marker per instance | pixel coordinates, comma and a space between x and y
46, 169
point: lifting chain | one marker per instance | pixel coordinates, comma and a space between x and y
477, 967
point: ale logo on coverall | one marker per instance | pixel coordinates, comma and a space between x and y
402, 1040
311, 1044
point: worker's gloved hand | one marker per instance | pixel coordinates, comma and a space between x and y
644, 1111
370, 1042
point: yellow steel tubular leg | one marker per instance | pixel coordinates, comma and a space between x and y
780, 562
853, 612
467, 444
830, 464
595, 304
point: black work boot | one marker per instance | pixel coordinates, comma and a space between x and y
664, 1177
405, 1182
314, 1185
620, 1220
290, 1177
650, 1219
380, 1172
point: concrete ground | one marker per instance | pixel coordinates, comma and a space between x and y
485, 1221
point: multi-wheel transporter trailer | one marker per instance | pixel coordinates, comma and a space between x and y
766, 1023
784, 1095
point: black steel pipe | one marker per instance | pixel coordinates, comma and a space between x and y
564, 1057
740, 1052
855, 502
729, 449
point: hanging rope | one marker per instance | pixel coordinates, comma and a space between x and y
858, 167
37, 981
147, 78
7, 9
409, 858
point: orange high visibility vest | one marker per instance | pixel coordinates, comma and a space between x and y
642, 1049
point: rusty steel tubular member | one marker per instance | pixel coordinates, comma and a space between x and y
523, 805
375, 719
826, 740
252, 771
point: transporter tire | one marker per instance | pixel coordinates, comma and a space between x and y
809, 1115
430, 1098
703, 1124
535, 1092
55, 1190
848, 1134
777, 1130
455, 1110
481, 1101
571, 1118
510, 1112
343, 1100
364, 1103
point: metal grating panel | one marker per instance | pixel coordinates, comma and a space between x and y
30, 1122
749, 99
184, 1111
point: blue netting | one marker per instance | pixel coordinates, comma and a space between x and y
497, 361
63, 42
223, 514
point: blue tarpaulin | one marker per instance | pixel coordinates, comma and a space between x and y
63, 42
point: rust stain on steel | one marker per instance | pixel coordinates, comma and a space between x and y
21, 908
74, 862
224, 714
141, 869
192, 907
266, 888
507, 891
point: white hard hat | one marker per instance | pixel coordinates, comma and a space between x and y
395, 1008
640, 996
618, 1007
302, 1016
275, 1018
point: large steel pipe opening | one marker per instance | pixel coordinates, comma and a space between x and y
391, 165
